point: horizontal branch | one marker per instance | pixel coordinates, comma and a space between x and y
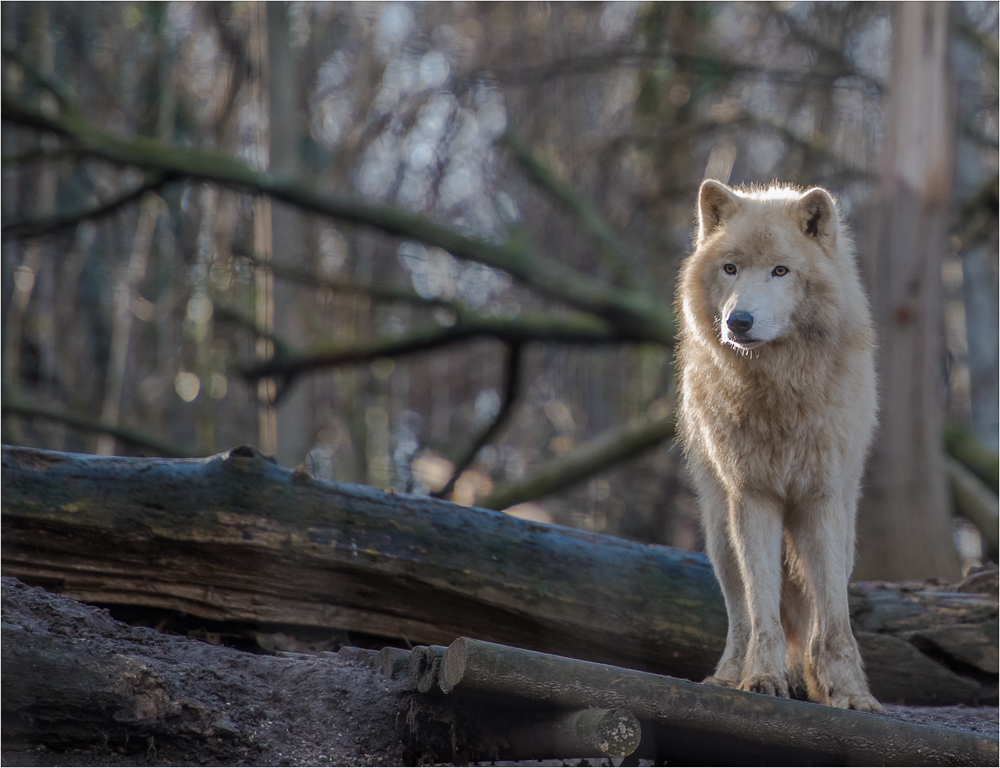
524, 328
377, 292
638, 314
22, 409
579, 65
601, 453
973, 500
962, 445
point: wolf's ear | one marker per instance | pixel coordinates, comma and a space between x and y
817, 216
716, 203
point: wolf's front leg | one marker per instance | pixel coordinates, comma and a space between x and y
833, 669
756, 528
715, 519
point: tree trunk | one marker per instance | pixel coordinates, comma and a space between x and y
294, 418
237, 538
904, 528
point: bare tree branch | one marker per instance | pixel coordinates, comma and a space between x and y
599, 454
581, 65
616, 254
44, 226
526, 327
512, 389
376, 292
28, 410
232, 315
636, 314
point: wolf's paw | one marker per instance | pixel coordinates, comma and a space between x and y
771, 685
860, 701
721, 681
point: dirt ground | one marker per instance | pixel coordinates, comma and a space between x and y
206, 704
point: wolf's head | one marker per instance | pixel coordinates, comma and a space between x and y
763, 259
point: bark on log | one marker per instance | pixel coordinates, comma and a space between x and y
683, 720
519, 732
76, 684
75, 679
236, 538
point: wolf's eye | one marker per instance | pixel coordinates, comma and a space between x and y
729, 269
779, 271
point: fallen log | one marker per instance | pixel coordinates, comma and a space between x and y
236, 538
76, 681
82, 688
683, 721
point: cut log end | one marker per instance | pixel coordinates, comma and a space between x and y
582, 733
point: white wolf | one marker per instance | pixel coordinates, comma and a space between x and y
777, 411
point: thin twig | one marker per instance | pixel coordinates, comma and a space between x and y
33, 73
512, 389
618, 257
48, 225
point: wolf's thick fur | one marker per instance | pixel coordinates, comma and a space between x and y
777, 411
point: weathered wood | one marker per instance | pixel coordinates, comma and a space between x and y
236, 538
425, 664
685, 719
75, 679
393, 662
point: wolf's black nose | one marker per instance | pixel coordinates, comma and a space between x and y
740, 322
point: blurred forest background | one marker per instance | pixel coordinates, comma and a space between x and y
453, 231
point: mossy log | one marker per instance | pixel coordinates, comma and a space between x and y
236, 538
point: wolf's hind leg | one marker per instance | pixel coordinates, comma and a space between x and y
796, 620
834, 673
